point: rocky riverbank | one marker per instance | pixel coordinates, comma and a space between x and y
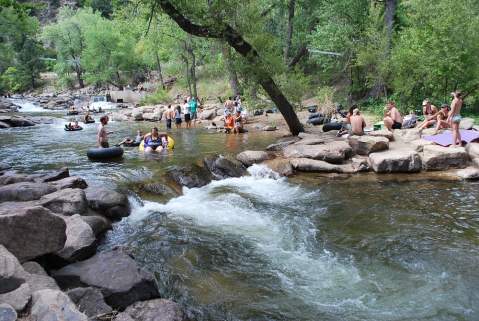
50, 225
403, 151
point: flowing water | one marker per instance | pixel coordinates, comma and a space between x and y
261, 247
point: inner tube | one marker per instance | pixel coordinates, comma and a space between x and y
315, 121
104, 153
332, 126
134, 144
72, 113
72, 129
89, 121
171, 144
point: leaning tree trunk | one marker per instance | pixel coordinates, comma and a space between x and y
224, 31
289, 31
193, 73
160, 73
187, 72
233, 77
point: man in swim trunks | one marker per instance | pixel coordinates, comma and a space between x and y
454, 118
102, 137
357, 123
169, 114
393, 118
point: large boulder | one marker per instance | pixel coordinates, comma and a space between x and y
24, 191
110, 203
115, 273
189, 176
395, 161
7, 312
153, 310
281, 166
97, 223
52, 305
436, 157
333, 152
89, 301
365, 145
12, 177
55, 175
66, 201
17, 298
29, 232
81, 241
37, 278
473, 150
137, 114
12, 274
250, 157
466, 123
222, 167
16, 121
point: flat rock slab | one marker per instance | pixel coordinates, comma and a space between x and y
12, 177
70, 182
396, 161
365, 145
441, 158
115, 273
313, 165
333, 152
154, 310
29, 232
48, 305
24, 191
406, 135
469, 173
7, 312
250, 157
382, 133
473, 150
108, 202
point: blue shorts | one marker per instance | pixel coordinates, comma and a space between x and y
456, 118
194, 115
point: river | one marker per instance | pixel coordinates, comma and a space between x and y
262, 247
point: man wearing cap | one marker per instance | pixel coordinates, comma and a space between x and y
430, 114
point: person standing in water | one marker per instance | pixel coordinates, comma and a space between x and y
168, 117
454, 118
102, 137
178, 117
186, 111
193, 103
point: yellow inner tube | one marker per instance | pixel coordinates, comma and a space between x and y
171, 144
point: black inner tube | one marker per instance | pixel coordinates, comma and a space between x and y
105, 153
332, 126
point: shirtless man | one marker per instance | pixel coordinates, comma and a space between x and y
430, 114
442, 116
102, 137
393, 118
454, 118
357, 123
169, 114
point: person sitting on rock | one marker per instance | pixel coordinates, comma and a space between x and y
393, 118
442, 116
357, 123
346, 123
429, 111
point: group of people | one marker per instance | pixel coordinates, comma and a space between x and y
188, 112
233, 115
445, 117
354, 123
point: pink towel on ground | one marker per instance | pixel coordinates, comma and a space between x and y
445, 139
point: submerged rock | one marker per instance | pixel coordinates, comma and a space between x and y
250, 157
48, 305
222, 167
153, 310
115, 273
396, 161
29, 232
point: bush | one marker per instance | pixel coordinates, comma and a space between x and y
158, 97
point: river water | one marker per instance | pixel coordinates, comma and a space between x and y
262, 247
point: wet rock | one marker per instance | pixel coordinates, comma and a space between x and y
277, 147
250, 157
269, 128
70, 182
333, 152
97, 223
29, 232
137, 114
24, 191
313, 165
473, 150
12, 177
365, 145
55, 175
157, 188
395, 161
222, 167
382, 133
469, 173
37, 278
4, 167
466, 123
67, 201
436, 157
89, 301
110, 203
12, 274
280, 165
360, 164
4, 125
7, 312
81, 241
16, 121
17, 298
121, 281
48, 305
189, 176
155, 310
